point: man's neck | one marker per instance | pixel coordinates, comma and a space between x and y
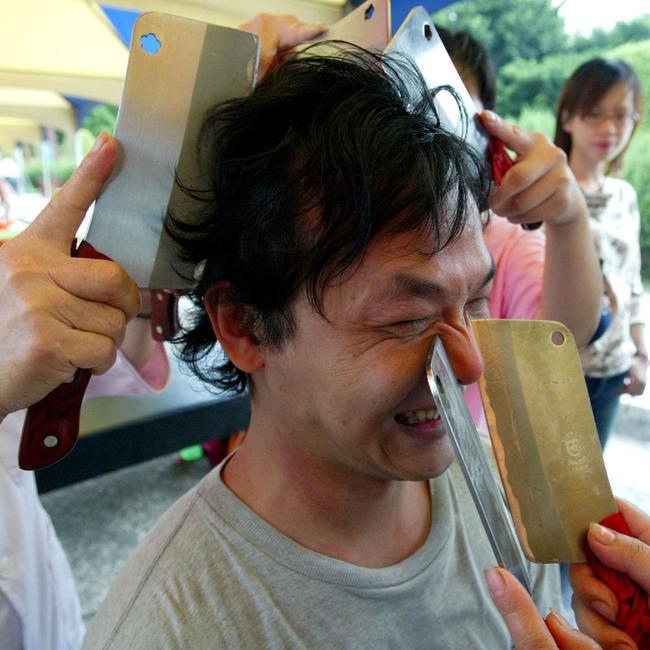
363, 521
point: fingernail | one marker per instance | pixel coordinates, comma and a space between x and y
99, 142
496, 583
489, 116
561, 620
603, 535
603, 609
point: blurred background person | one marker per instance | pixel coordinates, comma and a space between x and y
598, 111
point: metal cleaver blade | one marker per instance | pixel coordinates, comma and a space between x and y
474, 463
543, 435
178, 69
418, 40
368, 26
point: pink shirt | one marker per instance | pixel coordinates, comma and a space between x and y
517, 290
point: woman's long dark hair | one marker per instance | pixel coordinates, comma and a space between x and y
585, 88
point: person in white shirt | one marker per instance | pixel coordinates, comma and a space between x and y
57, 314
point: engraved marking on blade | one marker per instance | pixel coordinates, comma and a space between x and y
543, 435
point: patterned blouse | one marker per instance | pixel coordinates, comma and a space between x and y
615, 223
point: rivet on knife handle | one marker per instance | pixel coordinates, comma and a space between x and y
473, 461
164, 315
51, 427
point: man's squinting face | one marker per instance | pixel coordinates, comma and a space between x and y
350, 389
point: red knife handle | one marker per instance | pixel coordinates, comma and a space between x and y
164, 314
500, 163
51, 427
633, 615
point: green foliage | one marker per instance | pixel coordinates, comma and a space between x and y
527, 29
101, 118
535, 84
622, 33
535, 119
637, 55
637, 172
87, 140
62, 169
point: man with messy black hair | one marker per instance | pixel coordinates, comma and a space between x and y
340, 233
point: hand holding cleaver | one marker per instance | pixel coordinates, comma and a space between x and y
547, 451
178, 68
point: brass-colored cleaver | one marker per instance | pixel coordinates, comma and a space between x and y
543, 436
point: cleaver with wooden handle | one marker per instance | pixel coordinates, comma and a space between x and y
547, 451
543, 436
178, 68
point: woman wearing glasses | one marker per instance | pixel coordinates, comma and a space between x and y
598, 111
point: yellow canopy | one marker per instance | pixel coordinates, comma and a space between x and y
67, 46
13, 129
44, 107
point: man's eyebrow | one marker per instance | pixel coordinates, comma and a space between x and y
411, 286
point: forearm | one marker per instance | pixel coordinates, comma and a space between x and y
572, 284
637, 332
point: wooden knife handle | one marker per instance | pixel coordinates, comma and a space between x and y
51, 427
500, 163
164, 314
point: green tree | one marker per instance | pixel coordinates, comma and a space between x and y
622, 33
509, 29
101, 118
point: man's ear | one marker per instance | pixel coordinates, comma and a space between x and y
232, 326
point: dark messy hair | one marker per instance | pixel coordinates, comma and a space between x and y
585, 88
472, 61
324, 155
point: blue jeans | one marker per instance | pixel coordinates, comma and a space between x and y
604, 395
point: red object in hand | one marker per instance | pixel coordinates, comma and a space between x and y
501, 162
499, 159
633, 615
51, 427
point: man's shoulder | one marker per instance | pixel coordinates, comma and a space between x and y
156, 576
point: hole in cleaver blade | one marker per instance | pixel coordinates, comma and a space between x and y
543, 435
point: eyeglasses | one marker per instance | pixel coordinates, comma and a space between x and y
622, 119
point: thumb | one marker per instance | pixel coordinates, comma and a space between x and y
62, 216
292, 34
519, 613
514, 137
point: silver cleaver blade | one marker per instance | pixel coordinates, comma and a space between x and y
178, 69
483, 486
418, 40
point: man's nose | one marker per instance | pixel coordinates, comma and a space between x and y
463, 351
